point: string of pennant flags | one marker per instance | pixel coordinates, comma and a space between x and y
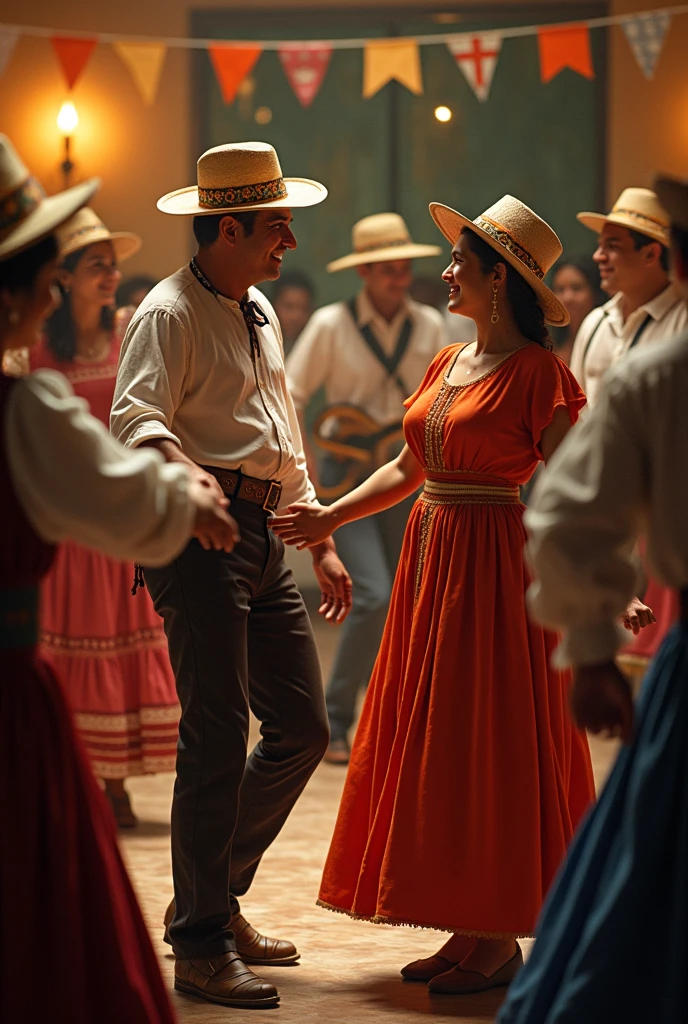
306, 63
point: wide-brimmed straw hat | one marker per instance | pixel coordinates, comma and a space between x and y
381, 237
241, 176
673, 195
636, 208
523, 239
86, 228
27, 215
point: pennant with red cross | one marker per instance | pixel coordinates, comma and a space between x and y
477, 57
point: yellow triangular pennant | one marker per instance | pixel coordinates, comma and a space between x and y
389, 59
145, 61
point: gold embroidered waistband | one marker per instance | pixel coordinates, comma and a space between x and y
455, 492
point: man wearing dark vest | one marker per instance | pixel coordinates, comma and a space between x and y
367, 354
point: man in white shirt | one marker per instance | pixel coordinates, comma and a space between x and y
611, 941
201, 378
633, 258
368, 354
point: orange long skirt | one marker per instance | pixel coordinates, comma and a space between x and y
467, 777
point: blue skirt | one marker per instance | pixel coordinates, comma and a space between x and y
612, 939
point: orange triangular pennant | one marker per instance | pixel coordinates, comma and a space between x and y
73, 55
567, 47
232, 64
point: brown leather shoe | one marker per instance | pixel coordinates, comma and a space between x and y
337, 753
225, 979
458, 982
254, 948
427, 968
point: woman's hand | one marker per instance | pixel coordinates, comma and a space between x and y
304, 524
601, 700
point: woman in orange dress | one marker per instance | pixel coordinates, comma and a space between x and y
467, 779
108, 648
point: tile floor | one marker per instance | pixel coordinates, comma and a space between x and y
349, 971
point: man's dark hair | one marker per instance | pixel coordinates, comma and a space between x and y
679, 242
206, 228
293, 279
639, 240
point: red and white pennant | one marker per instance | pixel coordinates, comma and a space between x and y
305, 68
477, 57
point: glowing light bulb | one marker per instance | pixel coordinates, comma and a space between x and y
67, 119
443, 114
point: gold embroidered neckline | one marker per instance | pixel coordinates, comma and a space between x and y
483, 376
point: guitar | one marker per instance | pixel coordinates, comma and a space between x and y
356, 444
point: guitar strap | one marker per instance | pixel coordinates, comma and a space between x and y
389, 363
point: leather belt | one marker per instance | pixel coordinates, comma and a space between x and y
266, 493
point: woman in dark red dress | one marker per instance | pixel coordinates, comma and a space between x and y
74, 945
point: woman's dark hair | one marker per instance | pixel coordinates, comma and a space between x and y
206, 228
586, 266
528, 315
19, 273
60, 329
131, 285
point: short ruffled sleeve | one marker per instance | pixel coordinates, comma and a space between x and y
438, 366
551, 386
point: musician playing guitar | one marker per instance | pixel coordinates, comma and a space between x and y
368, 354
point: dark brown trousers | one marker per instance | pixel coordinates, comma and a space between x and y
239, 638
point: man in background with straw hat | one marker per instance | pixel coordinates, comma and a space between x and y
633, 257
201, 378
368, 354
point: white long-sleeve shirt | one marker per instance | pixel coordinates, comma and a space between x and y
620, 473
186, 374
331, 353
75, 482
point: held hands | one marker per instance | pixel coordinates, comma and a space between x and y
637, 616
601, 701
305, 524
213, 527
334, 581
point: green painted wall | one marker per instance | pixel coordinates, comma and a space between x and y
542, 143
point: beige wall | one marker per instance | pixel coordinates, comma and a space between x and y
648, 121
141, 152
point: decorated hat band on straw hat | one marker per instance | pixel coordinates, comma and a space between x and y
376, 246
18, 204
641, 218
260, 192
503, 237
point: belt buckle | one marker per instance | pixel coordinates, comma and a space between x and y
272, 497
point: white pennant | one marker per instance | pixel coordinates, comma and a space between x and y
8, 41
477, 56
646, 38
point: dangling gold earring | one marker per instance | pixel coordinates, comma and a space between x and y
495, 315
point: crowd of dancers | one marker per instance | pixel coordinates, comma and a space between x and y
167, 444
